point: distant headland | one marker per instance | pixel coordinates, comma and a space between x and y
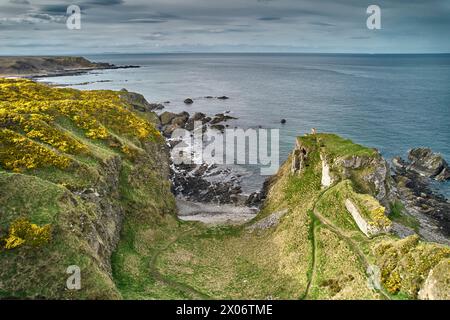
44, 66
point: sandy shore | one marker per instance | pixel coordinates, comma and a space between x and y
212, 214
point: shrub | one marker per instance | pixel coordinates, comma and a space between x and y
23, 232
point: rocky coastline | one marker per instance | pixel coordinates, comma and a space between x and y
413, 179
205, 183
405, 182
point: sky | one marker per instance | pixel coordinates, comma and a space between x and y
38, 27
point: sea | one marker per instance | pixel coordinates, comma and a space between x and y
389, 102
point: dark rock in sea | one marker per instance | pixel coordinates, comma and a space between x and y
188, 101
209, 97
424, 162
157, 106
167, 117
180, 119
283, 121
223, 98
198, 116
218, 127
427, 163
220, 117
169, 129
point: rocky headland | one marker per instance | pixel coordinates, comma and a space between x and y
45, 66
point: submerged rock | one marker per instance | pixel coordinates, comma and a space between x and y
188, 101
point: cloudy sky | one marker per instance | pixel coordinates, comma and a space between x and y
39, 26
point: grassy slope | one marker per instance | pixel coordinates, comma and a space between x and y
85, 227
315, 252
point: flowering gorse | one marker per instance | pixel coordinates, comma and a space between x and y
34, 119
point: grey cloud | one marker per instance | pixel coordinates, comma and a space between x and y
144, 20
19, 1
269, 18
326, 25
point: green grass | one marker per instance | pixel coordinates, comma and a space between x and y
336, 146
398, 214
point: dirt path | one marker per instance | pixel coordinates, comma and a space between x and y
314, 225
188, 290
329, 225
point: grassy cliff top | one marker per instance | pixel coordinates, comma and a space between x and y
336, 146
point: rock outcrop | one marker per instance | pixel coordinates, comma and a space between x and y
424, 162
138, 101
412, 184
436, 285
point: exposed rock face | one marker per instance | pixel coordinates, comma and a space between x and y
377, 176
188, 101
424, 162
299, 157
368, 228
437, 284
326, 178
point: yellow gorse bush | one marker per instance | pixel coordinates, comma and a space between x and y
17, 153
379, 218
23, 232
30, 113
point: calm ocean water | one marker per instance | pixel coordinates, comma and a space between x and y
390, 102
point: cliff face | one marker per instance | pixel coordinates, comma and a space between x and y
79, 162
